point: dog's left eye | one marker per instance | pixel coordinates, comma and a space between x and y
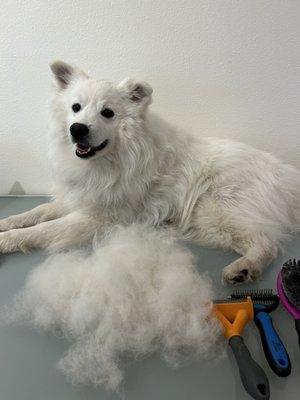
107, 113
76, 107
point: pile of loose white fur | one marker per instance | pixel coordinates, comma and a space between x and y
137, 293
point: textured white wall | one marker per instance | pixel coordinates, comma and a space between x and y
225, 68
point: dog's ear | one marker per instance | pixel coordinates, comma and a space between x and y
65, 73
137, 91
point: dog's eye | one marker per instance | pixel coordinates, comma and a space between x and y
107, 113
76, 107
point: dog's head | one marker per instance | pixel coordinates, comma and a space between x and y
95, 113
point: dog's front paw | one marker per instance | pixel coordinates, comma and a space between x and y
240, 271
12, 241
5, 242
5, 224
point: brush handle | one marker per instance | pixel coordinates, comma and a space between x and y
274, 349
297, 325
252, 375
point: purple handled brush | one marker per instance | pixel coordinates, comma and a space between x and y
288, 289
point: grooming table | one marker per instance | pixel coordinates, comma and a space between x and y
28, 358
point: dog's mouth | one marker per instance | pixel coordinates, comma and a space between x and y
84, 151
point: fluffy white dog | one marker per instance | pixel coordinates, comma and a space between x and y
114, 162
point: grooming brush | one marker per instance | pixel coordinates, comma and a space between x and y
234, 315
264, 302
288, 288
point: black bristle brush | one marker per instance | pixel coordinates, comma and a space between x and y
288, 288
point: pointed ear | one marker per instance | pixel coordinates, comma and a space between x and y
137, 91
65, 73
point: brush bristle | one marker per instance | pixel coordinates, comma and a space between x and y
290, 274
259, 295
292, 263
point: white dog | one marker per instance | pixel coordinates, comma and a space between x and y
113, 162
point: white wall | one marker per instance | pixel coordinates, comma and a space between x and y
226, 68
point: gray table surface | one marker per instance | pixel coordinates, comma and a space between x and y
27, 358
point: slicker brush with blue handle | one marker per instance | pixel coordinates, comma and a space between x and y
264, 302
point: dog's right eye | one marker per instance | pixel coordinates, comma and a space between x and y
76, 107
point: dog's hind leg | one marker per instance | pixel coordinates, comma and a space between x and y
70, 230
42, 213
257, 253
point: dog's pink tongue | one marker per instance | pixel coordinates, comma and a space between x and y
82, 148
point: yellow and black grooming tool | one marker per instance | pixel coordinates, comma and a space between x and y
234, 315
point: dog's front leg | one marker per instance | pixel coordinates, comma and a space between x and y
44, 212
71, 230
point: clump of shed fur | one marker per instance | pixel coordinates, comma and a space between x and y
138, 292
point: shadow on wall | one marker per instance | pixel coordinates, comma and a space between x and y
16, 190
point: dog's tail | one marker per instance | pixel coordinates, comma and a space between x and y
291, 189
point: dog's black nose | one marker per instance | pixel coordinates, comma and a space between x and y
78, 131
